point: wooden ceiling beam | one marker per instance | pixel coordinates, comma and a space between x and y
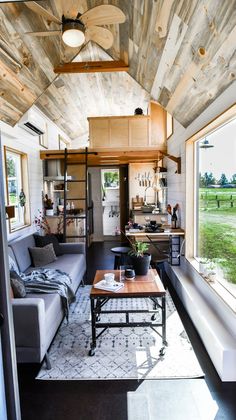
98, 158
92, 67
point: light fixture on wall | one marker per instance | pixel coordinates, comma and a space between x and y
205, 144
72, 32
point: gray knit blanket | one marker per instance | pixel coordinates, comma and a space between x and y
45, 280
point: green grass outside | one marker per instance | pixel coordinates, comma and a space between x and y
12, 198
217, 237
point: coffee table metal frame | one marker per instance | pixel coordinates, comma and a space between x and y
98, 301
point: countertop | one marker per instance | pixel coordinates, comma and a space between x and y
146, 213
56, 216
167, 232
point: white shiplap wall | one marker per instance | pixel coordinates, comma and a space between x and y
19, 139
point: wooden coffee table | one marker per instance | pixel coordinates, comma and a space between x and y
149, 286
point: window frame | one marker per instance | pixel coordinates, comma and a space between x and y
24, 183
191, 199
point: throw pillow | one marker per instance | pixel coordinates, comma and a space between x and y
12, 265
42, 256
17, 284
41, 241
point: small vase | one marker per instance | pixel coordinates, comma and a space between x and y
203, 268
49, 212
211, 276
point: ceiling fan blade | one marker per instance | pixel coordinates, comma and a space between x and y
101, 36
69, 8
103, 15
46, 33
35, 7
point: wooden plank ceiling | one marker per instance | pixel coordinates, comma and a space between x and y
180, 53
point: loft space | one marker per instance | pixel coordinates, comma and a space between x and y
170, 60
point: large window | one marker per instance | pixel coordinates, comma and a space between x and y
215, 204
17, 187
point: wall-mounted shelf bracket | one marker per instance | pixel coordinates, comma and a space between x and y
177, 160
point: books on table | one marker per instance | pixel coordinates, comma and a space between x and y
113, 287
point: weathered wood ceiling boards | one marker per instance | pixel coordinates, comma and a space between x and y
179, 52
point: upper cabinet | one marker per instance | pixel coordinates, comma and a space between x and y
129, 132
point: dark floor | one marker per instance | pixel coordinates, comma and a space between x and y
180, 399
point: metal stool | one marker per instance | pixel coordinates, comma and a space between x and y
120, 255
160, 256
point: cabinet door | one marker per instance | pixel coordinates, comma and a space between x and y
139, 132
99, 132
119, 132
158, 126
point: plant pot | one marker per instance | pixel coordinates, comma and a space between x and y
141, 264
211, 276
203, 268
49, 212
60, 237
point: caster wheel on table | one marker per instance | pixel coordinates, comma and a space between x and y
91, 352
162, 351
97, 318
153, 317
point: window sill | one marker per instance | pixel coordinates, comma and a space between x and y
19, 228
216, 286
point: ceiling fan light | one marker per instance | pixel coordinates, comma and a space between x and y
73, 35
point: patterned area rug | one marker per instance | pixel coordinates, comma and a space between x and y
121, 353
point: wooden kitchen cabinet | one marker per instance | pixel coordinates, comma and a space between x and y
129, 132
121, 133
99, 129
139, 134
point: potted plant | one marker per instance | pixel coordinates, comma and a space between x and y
203, 266
211, 275
48, 205
139, 257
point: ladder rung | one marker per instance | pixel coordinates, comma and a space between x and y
69, 199
76, 180
76, 163
77, 236
75, 217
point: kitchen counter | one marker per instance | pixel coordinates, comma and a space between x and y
167, 232
149, 213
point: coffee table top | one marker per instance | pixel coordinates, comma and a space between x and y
149, 285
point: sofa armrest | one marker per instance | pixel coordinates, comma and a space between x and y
29, 322
73, 248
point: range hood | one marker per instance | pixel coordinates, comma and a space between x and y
53, 170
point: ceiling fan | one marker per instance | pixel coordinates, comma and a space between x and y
76, 30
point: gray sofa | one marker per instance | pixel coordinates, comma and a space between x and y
38, 316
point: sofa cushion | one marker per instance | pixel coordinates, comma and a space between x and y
42, 256
72, 264
12, 264
20, 248
17, 284
41, 241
